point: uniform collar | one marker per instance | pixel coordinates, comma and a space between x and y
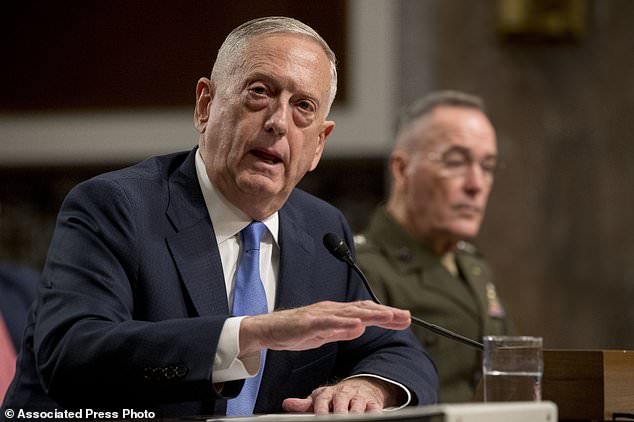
398, 245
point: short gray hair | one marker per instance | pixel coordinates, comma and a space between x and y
236, 41
429, 102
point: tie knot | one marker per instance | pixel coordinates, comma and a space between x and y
252, 234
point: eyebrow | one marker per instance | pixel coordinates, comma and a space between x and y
464, 150
271, 80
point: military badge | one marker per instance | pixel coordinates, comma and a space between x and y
495, 308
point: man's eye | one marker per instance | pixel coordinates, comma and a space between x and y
455, 159
489, 166
306, 106
455, 162
258, 90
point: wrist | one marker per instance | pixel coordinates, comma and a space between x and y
248, 338
392, 394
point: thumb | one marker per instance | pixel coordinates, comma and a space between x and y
294, 405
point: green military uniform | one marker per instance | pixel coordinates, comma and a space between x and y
406, 275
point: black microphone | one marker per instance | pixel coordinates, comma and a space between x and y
338, 248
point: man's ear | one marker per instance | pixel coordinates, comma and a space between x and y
326, 130
398, 168
204, 96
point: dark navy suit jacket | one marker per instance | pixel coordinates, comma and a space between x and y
133, 303
17, 291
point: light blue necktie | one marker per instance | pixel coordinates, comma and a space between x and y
249, 298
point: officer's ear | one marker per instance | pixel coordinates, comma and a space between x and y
398, 165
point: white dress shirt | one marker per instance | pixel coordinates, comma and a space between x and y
228, 221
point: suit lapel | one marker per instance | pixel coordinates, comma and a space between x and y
193, 246
296, 249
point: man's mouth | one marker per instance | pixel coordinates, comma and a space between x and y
266, 156
466, 208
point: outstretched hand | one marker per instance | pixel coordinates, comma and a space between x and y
311, 326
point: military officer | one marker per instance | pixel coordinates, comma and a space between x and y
415, 251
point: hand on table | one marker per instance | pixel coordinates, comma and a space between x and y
353, 395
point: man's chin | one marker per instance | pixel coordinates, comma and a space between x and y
466, 231
262, 187
260, 183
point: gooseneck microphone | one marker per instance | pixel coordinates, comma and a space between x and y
338, 248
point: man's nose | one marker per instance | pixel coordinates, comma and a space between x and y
277, 121
475, 178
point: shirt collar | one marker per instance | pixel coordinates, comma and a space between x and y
448, 261
226, 218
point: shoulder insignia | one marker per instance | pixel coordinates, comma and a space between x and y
359, 240
364, 245
466, 247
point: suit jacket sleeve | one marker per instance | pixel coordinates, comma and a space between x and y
96, 340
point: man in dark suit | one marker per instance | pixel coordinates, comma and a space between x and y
136, 305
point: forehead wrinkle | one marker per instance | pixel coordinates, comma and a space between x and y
279, 63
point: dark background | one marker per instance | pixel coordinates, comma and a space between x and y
78, 54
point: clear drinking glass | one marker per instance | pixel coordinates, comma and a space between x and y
512, 368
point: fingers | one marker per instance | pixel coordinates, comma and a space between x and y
319, 402
298, 405
322, 397
366, 312
373, 314
350, 396
336, 321
356, 404
354, 396
344, 400
311, 326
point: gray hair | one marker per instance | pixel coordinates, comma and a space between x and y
428, 103
237, 40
